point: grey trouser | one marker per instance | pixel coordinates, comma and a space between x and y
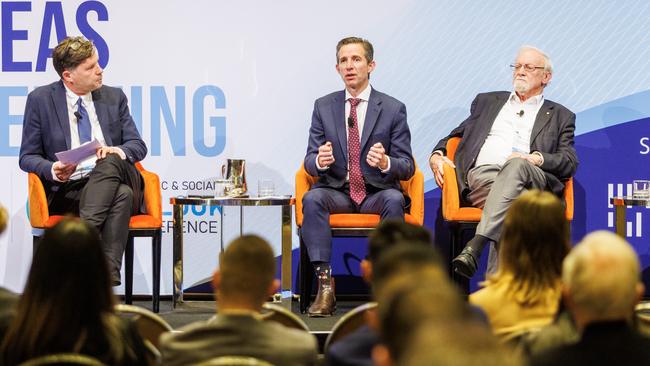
493, 188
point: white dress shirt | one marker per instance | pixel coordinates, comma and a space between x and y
511, 130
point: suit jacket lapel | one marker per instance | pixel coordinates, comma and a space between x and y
372, 114
102, 115
543, 117
61, 108
338, 110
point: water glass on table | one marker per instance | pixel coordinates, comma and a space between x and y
265, 188
641, 189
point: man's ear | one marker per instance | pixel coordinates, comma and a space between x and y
216, 280
65, 75
640, 291
273, 287
366, 270
381, 355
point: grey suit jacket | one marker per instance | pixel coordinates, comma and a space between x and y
238, 335
552, 136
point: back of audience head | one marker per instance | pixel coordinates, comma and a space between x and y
245, 278
68, 295
415, 288
534, 241
388, 234
456, 342
601, 279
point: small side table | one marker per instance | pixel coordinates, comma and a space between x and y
621, 204
180, 201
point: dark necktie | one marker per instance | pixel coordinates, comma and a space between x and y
83, 123
357, 186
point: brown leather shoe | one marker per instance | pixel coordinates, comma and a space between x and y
325, 303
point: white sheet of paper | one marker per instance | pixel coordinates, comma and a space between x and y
75, 156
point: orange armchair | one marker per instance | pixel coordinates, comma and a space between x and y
144, 225
354, 224
465, 218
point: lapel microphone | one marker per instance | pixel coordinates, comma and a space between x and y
78, 115
350, 122
521, 113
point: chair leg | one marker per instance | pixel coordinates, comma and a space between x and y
456, 248
156, 252
306, 277
35, 241
128, 271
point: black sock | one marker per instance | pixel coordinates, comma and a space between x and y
478, 243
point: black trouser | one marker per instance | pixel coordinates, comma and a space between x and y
107, 198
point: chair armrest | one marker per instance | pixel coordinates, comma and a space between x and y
39, 212
450, 196
414, 188
152, 193
568, 199
304, 181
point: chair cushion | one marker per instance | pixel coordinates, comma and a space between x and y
356, 220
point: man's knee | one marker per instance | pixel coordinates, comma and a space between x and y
110, 164
313, 198
123, 193
393, 198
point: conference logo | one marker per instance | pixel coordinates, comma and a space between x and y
171, 109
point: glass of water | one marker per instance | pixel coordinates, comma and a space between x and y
265, 188
641, 189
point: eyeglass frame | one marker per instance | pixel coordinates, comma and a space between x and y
527, 67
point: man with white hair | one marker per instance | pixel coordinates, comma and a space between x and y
602, 286
511, 142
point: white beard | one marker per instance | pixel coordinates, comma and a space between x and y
521, 86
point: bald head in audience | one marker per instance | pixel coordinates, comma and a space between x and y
601, 277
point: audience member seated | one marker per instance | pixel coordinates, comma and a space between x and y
8, 299
356, 348
242, 284
561, 332
525, 291
602, 285
457, 343
413, 294
67, 304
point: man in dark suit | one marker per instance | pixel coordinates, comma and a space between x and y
511, 142
242, 283
601, 287
105, 188
360, 148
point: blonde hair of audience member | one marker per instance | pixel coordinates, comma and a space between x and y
601, 279
534, 241
67, 303
4, 218
457, 342
409, 299
245, 278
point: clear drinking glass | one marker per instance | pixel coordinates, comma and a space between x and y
641, 189
265, 188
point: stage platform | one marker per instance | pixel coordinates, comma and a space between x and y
196, 310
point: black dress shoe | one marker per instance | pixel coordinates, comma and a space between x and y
466, 263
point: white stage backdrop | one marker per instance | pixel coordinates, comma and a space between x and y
210, 80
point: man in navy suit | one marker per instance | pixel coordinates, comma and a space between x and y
105, 188
360, 148
511, 142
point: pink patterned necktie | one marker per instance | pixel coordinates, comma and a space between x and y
357, 185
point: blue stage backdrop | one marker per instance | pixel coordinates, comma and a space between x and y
211, 80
